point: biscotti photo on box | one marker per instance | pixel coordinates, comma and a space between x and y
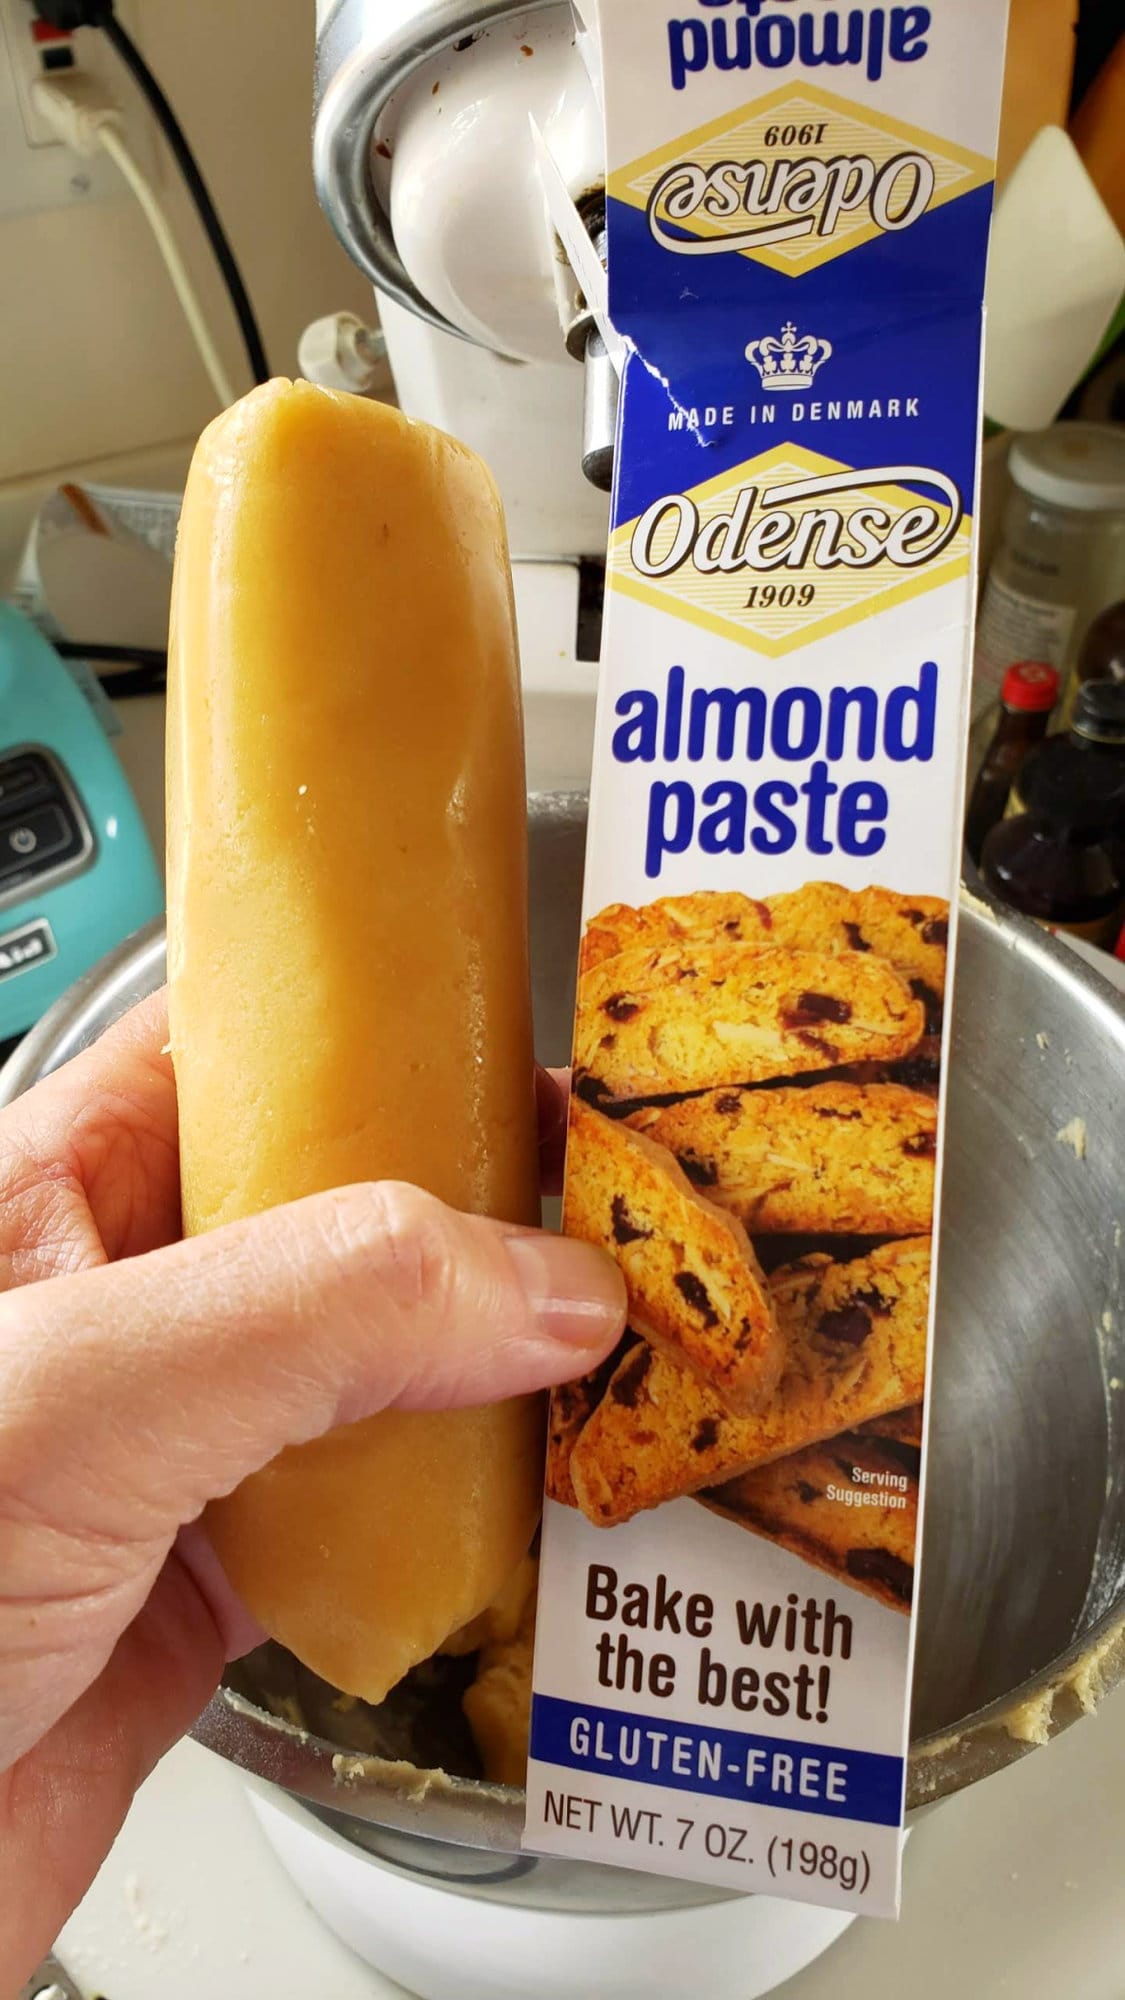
797, 217
754, 1138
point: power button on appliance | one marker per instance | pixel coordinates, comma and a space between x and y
34, 840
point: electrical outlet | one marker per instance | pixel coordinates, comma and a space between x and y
37, 171
34, 50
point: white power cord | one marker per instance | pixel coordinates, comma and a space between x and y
112, 142
87, 120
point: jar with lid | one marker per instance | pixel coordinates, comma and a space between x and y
1061, 554
1060, 860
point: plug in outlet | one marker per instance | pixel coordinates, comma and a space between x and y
33, 50
36, 170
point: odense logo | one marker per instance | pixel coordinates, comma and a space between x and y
815, 193
776, 528
794, 178
784, 548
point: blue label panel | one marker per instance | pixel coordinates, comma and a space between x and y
718, 1763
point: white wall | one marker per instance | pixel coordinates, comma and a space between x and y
95, 362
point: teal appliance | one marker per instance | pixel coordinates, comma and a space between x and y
77, 871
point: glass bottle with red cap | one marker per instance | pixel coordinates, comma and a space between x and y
1029, 693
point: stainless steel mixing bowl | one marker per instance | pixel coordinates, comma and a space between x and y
1023, 1574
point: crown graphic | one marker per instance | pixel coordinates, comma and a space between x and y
792, 361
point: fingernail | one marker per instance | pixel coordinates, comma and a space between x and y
576, 1292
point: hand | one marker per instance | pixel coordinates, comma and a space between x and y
141, 1376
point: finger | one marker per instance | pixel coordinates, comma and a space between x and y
104, 1128
552, 1096
135, 1393
102, 1131
239, 1631
62, 1804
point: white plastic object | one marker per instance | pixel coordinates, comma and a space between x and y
458, 173
77, 109
443, 1946
340, 352
1072, 465
1056, 270
520, 419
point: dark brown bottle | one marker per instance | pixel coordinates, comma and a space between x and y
1060, 860
1102, 655
1029, 693
1095, 739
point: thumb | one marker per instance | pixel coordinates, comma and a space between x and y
134, 1393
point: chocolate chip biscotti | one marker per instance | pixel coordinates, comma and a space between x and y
911, 932
849, 1506
572, 1403
696, 1015
855, 1349
695, 1286
839, 1157
920, 1070
903, 1426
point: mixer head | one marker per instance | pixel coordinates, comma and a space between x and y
431, 125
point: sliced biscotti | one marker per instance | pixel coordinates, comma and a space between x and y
855, 1349
695, 1286
572, 1403
713, 914
903, 1427
851, 1159
920, 1070
692, 1016
849, 1506
911, 932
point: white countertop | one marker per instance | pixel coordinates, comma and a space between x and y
1013, 1889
